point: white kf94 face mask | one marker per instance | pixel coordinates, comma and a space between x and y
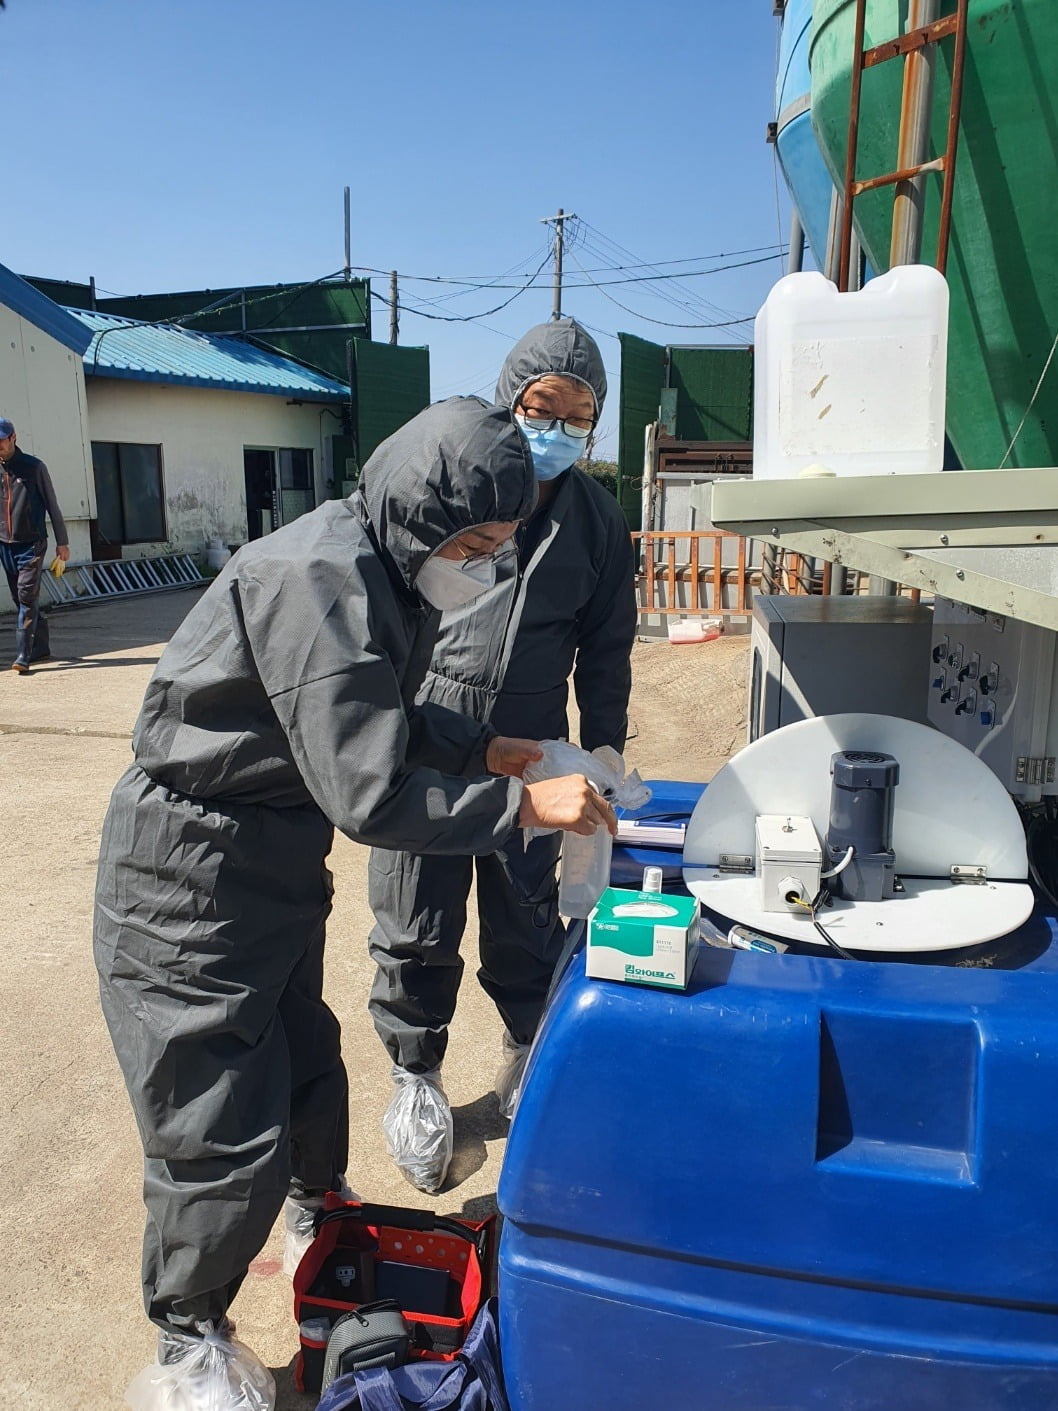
451, 583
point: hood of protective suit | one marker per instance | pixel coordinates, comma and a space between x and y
458, 464
561, 347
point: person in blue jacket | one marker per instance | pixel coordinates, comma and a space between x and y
563, 605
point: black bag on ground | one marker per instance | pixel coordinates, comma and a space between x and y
373, 1335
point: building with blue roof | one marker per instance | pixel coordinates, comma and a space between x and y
198, 436
42, 390
159, 438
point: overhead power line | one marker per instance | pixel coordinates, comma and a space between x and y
679, 294
485, 313
494, 282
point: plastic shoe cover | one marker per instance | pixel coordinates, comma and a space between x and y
509, 1077
418, 1128
213, 1372
298, 1217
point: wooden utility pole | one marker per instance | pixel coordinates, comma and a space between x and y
557, 221
394, 307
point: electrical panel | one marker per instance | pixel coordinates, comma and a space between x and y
828, 655
992, 688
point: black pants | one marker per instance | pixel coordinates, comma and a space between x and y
23, 564
420, 907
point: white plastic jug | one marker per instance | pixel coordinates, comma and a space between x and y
852, 383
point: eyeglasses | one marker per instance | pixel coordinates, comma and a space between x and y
503, 553
538, 423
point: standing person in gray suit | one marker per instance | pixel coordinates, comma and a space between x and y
563, 603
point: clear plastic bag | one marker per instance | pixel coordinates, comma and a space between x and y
509, 1078
418, 1128
604, 768
585, 868
298, 1224
211, 1372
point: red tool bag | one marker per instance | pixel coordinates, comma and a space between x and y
438, 1269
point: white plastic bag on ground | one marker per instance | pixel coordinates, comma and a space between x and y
298, 1218
418, 1128
213, 1372
509, 1077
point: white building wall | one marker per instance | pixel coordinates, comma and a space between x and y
203, 433
42, 390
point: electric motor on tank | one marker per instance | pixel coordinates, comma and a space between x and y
859, 845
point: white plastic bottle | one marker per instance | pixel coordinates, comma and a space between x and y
585, 871
653, 879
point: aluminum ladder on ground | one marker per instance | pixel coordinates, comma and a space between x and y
119, 578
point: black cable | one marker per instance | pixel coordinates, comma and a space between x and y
1041, 838
664, 322
821, 898
692, 302
470, 318
484, 281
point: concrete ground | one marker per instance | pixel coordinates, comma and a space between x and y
72, 1331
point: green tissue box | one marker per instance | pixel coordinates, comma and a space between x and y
643, 938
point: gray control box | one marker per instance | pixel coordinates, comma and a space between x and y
825, 655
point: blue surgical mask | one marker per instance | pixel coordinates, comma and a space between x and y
553, 451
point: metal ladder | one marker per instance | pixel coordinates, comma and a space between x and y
913, 141
119, 578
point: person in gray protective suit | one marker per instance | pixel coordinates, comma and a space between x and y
283, 707
564, 602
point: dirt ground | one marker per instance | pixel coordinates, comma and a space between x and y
72, 1331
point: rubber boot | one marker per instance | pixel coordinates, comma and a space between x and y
41, 648
23, 645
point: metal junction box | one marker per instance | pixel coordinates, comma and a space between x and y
789, 861
824, 655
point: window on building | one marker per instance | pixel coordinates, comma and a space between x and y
130, 503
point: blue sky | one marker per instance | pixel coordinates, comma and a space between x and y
174, 144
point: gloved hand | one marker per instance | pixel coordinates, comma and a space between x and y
57, 567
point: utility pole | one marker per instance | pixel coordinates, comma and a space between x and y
557, 221
348, 240
394, 307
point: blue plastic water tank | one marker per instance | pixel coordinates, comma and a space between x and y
804, 1183
798, 151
